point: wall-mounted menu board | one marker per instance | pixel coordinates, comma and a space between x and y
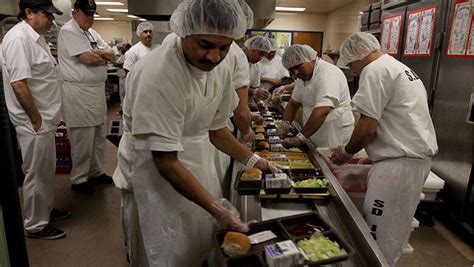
460, 42
419, 34
390, 38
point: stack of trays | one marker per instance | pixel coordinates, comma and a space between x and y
294, 228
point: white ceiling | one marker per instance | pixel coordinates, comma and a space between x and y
312, 6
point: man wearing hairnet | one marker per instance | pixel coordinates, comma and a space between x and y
396, 130
140, 49
169, 193
83, 57
255, 48
271, 67
321, 88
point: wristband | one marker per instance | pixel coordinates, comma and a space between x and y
252, 161
302, 138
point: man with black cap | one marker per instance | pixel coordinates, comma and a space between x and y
83, 55
33, 98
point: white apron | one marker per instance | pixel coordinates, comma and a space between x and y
84, 104
177, 232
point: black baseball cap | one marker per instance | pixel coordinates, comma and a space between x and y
46, 5
87, 6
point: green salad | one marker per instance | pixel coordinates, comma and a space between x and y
313, 182
319, 247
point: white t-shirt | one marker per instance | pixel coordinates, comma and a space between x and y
254, 75
239, 66
136, 52
392, 93
327, 88
26, 55
272, 69
72, 42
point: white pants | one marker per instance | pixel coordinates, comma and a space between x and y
131, 231
393, 193
87, 152
38, 152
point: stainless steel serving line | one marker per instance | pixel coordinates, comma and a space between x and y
338, 210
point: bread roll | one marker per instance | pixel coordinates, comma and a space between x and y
252, 174
235, 244
260, 136
263, 144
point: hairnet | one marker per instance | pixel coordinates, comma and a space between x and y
218, 17
274, 44
356, 47
247, 12
258, 42
298, 54
144, 26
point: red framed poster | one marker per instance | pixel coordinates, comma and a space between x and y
390, 38
460, 31
420, 32
470, 43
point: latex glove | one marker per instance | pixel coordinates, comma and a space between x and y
261, 94
276, 99
262, 107
283, 129
291, 142
257, 118
266, 165
280, 90
339, 155
227, 215
247, 136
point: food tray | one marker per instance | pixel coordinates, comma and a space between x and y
247, 187
282, 228
295, 196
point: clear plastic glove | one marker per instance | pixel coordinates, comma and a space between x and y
276, 99
266, 165
339, 155
247, 136
261, 94
262, 107
291, 142
280, 90
257, 118
283, 129
227, 215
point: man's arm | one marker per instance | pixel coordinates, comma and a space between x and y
91, 59
107, 54
223, 140
363, 134
24, 97
315, 120
274, 81
242, 116
290, 110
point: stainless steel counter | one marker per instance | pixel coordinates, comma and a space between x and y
339, 211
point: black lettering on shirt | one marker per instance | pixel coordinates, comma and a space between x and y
409, 73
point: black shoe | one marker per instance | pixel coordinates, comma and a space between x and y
101, 179
49, 232
83, 188
57, 215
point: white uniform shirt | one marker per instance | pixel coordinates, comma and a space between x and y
26, 55
254, 75
272, 69
73, 41
136, 52
327, 88
392, 94
239, 66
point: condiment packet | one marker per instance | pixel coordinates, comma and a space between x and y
261, 237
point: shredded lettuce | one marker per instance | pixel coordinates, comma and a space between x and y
319, 247
313, 182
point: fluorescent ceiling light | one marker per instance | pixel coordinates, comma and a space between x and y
109, 4
96, 15
132, 16
295, 9
124, 10
104, 19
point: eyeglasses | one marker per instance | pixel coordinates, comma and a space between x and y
91, 40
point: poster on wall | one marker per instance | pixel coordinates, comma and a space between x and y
419, 35
460, 29
283, 39
470, 47
391, 34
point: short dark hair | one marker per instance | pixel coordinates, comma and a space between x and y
22, 14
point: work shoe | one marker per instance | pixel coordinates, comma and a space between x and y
83, 188
49, 232
101, 179
57, 215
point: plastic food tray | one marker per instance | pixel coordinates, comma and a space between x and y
284, 229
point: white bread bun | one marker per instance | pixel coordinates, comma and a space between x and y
251, 174
235, 244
